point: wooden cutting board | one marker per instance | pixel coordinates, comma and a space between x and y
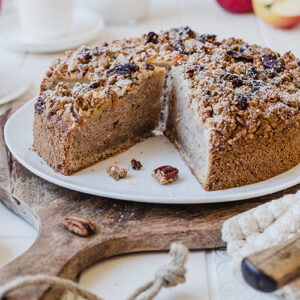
123, 227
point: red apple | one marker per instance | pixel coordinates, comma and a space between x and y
278, 13
236, 6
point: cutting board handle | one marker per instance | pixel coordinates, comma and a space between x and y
271, 269
123, 227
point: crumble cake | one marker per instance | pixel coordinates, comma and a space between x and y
232, 109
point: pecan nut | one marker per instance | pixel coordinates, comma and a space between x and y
79, 226
116, 172
165, 174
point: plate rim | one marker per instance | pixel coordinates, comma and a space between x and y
19, 92
52, 46
145, 199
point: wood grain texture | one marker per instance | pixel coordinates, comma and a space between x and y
123, 227
274, 267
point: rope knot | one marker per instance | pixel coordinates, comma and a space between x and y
166, 276
171, 275
174, 273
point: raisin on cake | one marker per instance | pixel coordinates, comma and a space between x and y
232, 109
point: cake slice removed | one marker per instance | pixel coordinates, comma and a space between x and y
76, 125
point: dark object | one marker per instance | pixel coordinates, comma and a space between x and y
39, 105
178, 46
270, 61
252, 72
179, 63
206, 38
86, 56
186, 30
273, 268
136, 165
230, 52
151, 37
93, 85
149, 67
235, 79
256, 278
123, 69
238, 56
255, 84
193, 69
242, 102
244, 48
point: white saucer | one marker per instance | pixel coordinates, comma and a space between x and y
13, 83
139, 185
86, 26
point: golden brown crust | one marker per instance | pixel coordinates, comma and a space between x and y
54, 146
253, 160
248, 161
51, 143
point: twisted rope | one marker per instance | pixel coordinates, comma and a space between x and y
53, 281
166, 276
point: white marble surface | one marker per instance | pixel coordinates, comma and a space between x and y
209, 276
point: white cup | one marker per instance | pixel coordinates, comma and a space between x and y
45, 18
123, 11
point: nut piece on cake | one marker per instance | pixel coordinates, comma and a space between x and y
165, 174
135, 164
116, 172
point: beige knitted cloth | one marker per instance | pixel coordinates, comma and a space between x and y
262, 227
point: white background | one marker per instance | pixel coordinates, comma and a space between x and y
209, 275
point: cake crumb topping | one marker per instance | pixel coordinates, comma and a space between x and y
116, 172
237, 90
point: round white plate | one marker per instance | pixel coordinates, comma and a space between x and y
85, 27
13, 83
139, 185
